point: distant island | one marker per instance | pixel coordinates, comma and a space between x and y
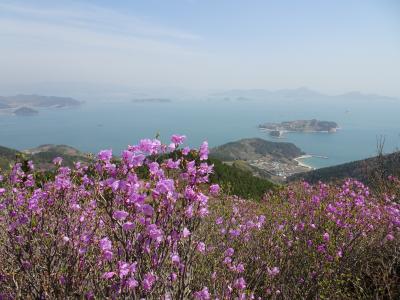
152, 100
314, 125
25, 111
25, 104
38, 101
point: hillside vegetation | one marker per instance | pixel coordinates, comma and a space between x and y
42, 156
238, 181
233, 179
7, 156
371, 171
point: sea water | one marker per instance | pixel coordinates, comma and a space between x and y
115, 124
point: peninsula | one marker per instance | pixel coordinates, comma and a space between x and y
272, 160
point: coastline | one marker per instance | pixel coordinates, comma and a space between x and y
301, 163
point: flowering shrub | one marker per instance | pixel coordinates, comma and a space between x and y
151, 226
331, 242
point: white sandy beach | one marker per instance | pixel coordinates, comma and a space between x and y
301, 163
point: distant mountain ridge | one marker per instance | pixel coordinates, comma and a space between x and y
302, 93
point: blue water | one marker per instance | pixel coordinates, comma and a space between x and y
95, 126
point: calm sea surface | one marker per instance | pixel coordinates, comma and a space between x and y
95, 126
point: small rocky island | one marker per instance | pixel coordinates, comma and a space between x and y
25, 111
314, 125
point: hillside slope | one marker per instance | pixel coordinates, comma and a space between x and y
255, 148
266, 159
367, 170
7, 155
42, 156
240, 182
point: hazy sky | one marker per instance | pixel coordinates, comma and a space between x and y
331, 46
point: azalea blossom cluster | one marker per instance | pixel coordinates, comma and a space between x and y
149, 225
105, 229
332, 240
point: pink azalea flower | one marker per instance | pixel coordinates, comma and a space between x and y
120, 215
57, 161
175, 259
240, 283
273, 272
204, 151
229, 252
108, 275
178, 139
326, 237
147, 210
124, 269
185, 151
202, 295
185, 232
105, 155
148, 281
201, 247
132, 283
105, 244
214, 189
128, 226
